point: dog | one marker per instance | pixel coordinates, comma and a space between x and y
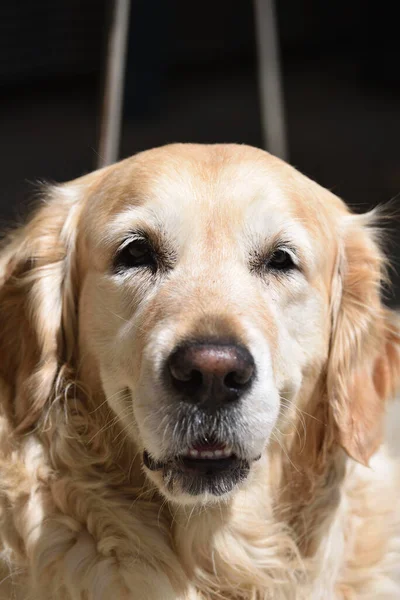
195, 368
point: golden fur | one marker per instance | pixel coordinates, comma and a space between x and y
80, 519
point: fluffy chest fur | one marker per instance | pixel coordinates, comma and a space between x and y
77, 528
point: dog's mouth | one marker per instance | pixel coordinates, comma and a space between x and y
199, 457
206, 466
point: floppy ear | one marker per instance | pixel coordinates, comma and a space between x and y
364, 364
37, 305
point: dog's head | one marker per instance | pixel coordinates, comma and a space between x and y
204, 288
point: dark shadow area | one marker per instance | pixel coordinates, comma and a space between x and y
192, 76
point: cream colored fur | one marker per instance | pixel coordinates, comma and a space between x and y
80, 518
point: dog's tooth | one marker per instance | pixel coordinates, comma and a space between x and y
206, 454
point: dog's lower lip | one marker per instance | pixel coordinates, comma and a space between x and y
201, 461
196, 476
194, 462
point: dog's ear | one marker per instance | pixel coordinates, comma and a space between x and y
364, 361
38, 304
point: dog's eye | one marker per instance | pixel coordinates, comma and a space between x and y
281, 260
137, 253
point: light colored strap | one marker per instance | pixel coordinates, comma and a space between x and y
269, 79
114, 84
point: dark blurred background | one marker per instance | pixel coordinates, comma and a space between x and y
191, 76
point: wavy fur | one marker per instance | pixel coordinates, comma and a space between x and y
79, 518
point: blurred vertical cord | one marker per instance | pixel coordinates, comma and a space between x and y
114, 84
270, 79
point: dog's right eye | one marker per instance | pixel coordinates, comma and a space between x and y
137, 253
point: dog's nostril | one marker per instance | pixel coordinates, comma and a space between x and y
181, 372
184, 378
194, 378
238, 379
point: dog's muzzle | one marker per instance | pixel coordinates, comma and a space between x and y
207, 380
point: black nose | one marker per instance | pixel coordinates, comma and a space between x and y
211, 374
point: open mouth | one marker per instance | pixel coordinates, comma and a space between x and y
201, 453
208, 450
206, 466
208, 457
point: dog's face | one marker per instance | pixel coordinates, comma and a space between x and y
211, 293
205, 302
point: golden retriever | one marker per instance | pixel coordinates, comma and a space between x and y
195, 364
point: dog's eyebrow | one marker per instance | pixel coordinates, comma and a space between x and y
133, 222
154, 237
267, 246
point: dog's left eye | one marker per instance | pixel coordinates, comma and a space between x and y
281, 260
137, 253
